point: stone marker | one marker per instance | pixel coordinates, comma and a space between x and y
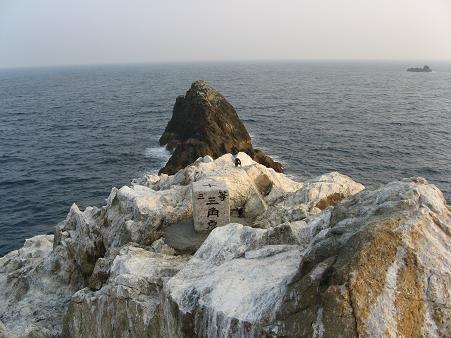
211, 207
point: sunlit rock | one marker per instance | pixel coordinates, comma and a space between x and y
318, 258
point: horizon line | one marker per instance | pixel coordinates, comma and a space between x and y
161, 62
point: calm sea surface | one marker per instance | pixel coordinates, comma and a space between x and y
70, 134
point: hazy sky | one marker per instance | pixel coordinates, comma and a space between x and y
61, 32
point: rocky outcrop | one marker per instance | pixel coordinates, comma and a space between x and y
319, 258
378, 267
128, 304
377, 264
316, 195
36, 282
232, 285
205, 123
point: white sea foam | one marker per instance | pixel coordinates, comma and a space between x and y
160, 153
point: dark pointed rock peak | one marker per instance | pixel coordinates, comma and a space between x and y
204, 123
425, 69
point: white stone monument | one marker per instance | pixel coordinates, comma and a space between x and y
211, 206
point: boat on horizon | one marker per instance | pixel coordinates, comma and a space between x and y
425, 69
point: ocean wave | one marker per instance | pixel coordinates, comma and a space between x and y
8, 183
160, 153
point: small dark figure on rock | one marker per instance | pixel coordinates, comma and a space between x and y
237, 162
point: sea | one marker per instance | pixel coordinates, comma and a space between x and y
69, 134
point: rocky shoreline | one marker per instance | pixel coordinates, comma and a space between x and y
319, 258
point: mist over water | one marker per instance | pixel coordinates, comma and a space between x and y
70, 134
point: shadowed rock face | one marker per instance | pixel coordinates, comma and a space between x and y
205, 123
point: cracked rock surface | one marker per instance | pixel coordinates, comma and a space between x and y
320, 258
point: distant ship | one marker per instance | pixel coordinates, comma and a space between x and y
425, 69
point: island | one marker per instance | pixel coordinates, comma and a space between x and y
425, 69
204, 123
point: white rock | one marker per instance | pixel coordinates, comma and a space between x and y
128, 304
159, 246
380, 258
33, 289
227, 284
315, 195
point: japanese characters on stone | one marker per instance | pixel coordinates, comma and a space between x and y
210, 205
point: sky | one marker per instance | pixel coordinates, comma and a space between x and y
71, 32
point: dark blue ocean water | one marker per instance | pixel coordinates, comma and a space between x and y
70, 134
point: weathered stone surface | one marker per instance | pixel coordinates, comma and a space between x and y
243, 182
183, 238
375, 265
319, 258
35, 286
128, 304
231, 287
80, 233
380, 268
317, 194
3, 332
160, 246
205, 123
101, 272
211, 207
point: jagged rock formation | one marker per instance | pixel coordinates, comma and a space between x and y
320, 258
36, 282
375, 265
205, 123
128, 304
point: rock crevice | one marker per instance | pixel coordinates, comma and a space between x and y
302, 259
